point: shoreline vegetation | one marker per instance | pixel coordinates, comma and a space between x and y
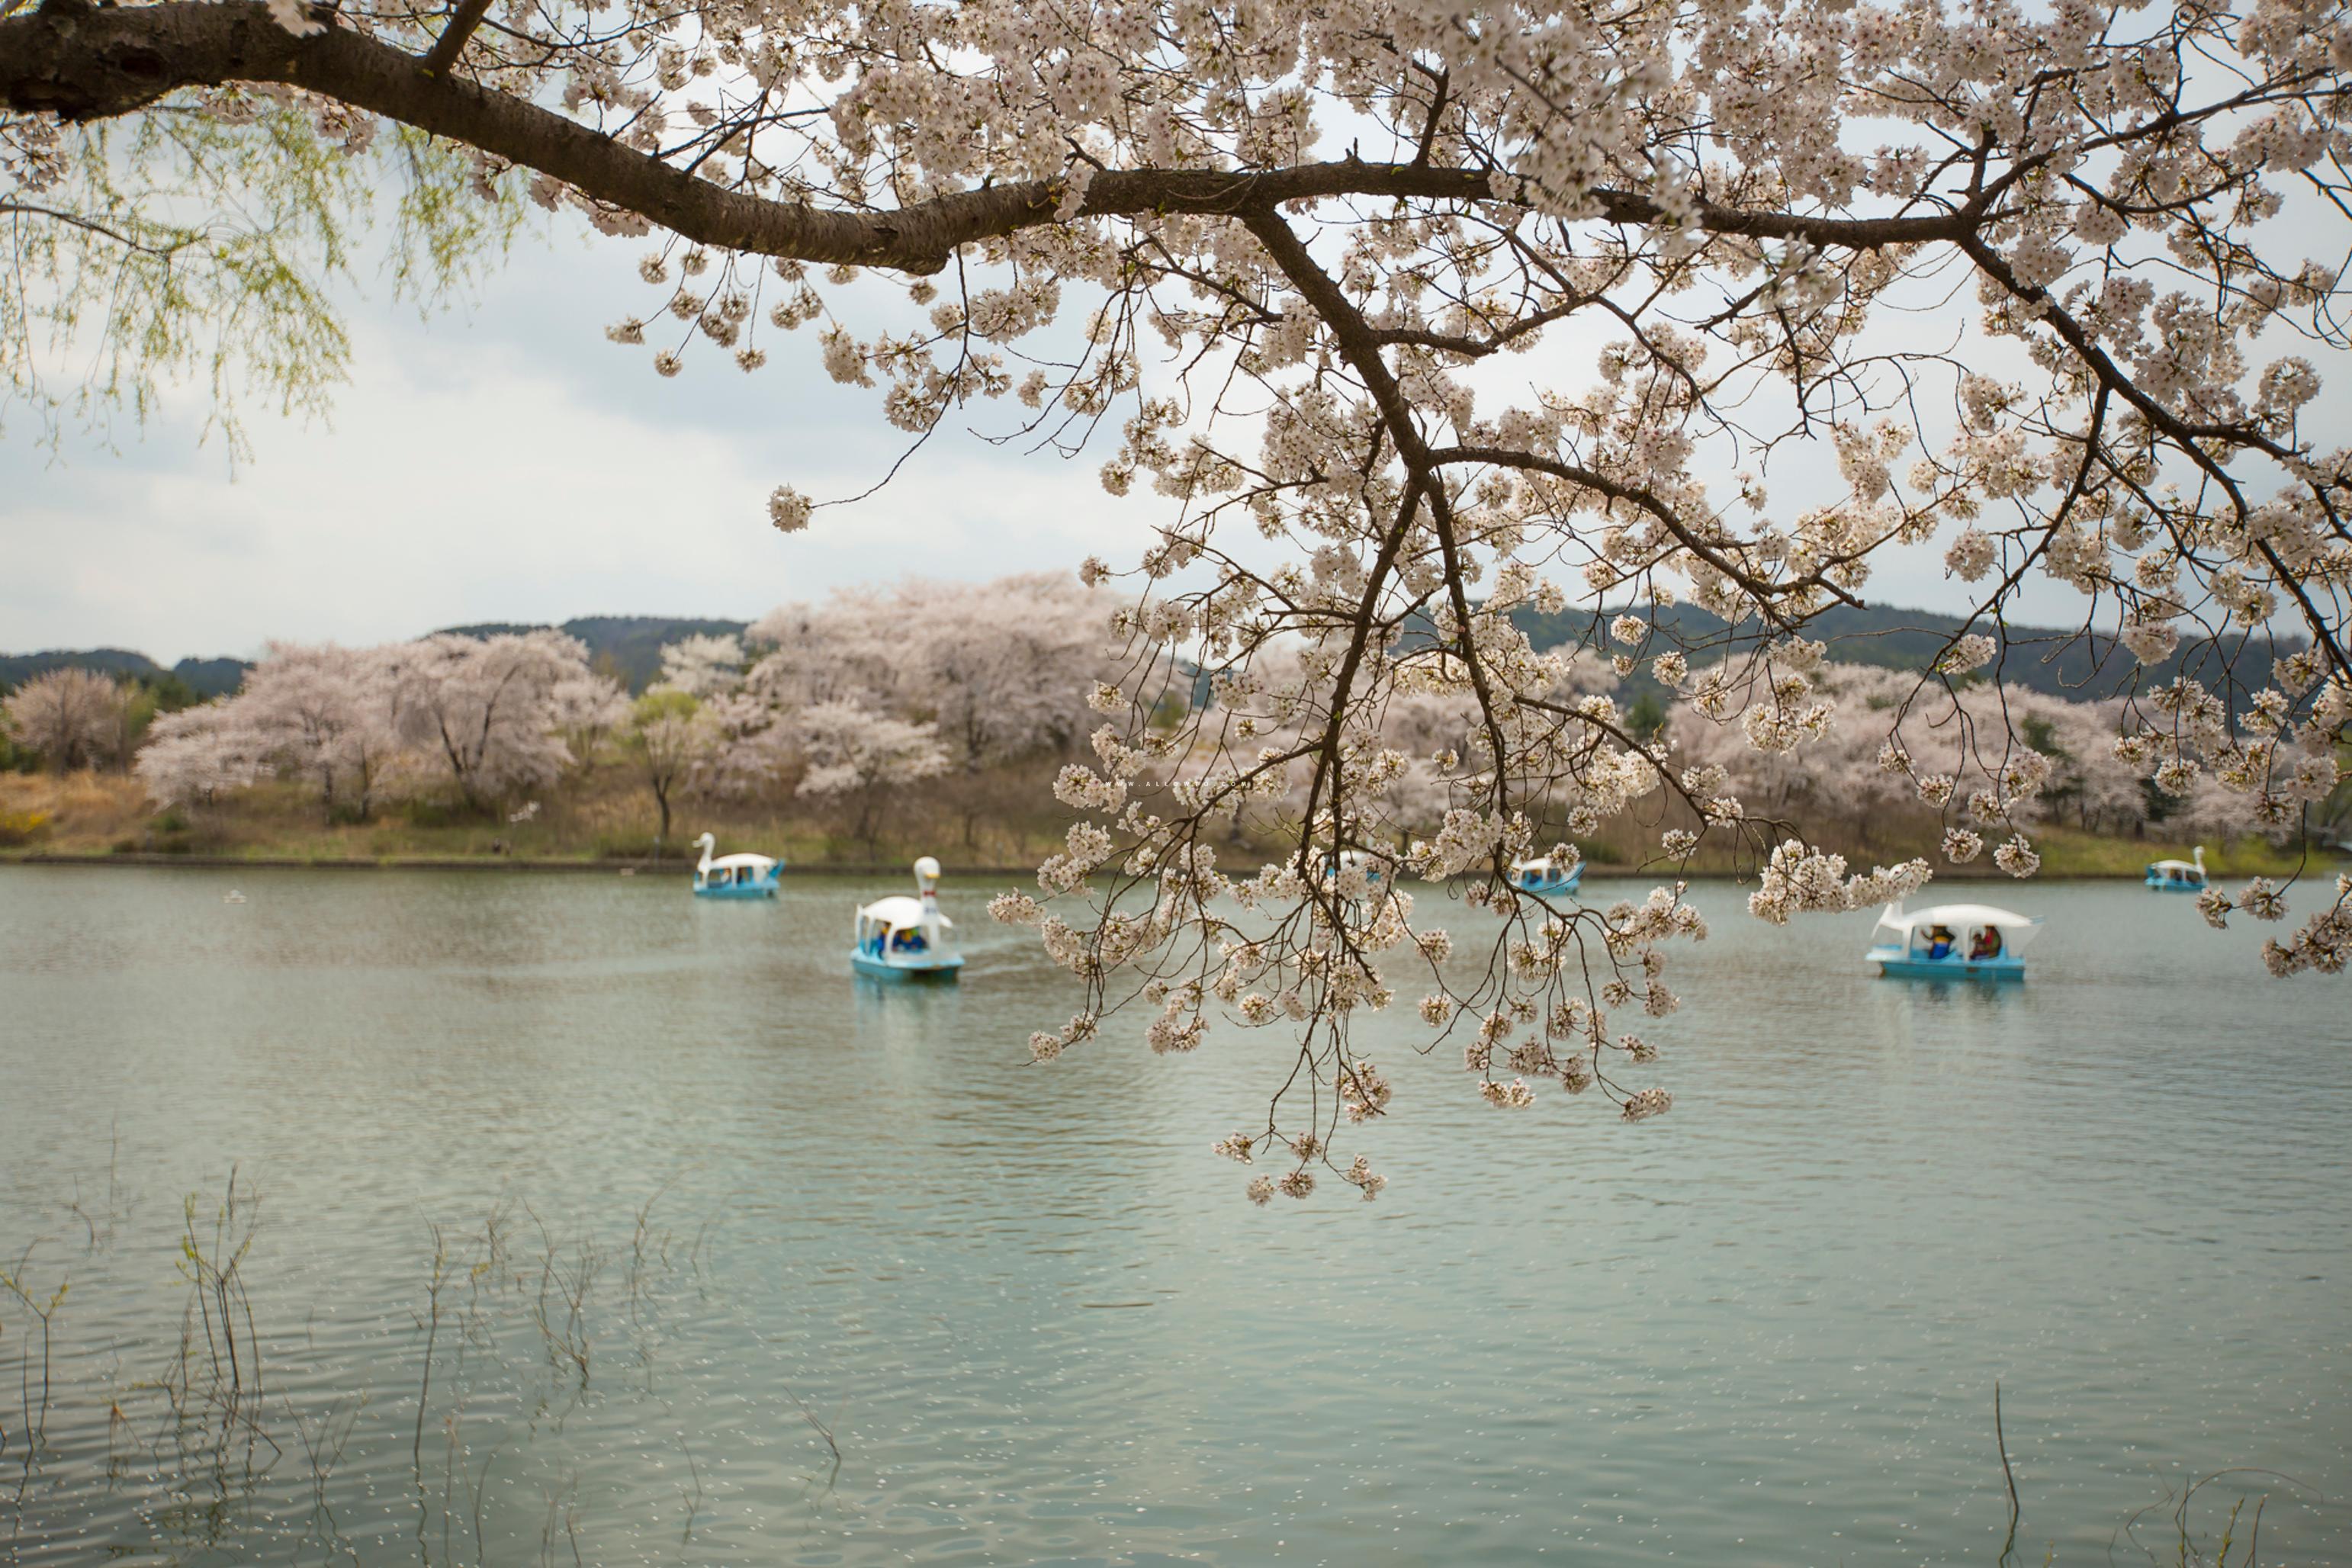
983, 727
1000, 822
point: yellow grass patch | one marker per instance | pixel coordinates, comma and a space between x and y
75, 813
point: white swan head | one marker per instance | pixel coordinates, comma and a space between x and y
926, 875
706, 844
2200, 859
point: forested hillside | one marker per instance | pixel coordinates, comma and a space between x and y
627, 648
204, 676
2056, 662
2073, 664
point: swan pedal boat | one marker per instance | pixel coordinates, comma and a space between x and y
1374, 867
1543, 876
735, 876
1901, 943
900, 937
2178, 876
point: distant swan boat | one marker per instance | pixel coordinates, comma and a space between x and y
735, 876
1375, 867
900, 937
1951, 942
2178, 876
1543, 876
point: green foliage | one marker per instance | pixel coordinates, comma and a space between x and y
114, 279
656, 706
2038, 732
168, 693
145, 696
1170, 710
1647, 715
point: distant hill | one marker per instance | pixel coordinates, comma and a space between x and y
207, 677
627, 648
212, 676
2067, 664
2060, 663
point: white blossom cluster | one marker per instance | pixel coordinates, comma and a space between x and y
1798, 879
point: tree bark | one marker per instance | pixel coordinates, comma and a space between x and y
82, 62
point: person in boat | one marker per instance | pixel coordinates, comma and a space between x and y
1939, 941
1987, 944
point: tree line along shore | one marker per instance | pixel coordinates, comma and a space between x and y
605, 824
936, 719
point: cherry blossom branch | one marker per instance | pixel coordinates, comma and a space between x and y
86, 63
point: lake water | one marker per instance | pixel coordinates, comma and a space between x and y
700, 1194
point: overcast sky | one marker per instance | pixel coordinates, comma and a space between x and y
502, 461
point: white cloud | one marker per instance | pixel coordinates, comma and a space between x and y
470, 475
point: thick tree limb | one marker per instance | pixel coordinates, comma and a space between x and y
80, 62
446, 49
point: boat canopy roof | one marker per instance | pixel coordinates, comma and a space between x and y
1958, 917
1542, 863
756, 862
899, 912
2182, 866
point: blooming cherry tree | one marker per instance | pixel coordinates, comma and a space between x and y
585, 708
328, 713
703, 666
1005, 667
854, 647
865, 757
1410, 316
486, 705
195, 756
71, 717
749, 742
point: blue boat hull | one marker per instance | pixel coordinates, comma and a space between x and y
866, 963
764, 889
1907, 966
2163, 885
1566, 884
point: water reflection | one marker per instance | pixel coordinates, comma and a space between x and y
1931, 1005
